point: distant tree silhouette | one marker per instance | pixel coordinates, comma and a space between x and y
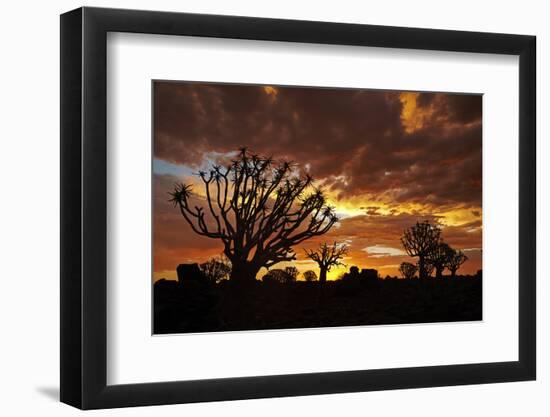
258, 209
278, 275
419, 241
216, 269
440, 257
292, 271
310, 276
407, 269
326, 257
454, 262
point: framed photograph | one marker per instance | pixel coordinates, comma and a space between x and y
258, 208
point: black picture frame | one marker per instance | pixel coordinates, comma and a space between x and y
84, 207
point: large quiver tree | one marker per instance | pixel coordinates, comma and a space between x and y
258, 209
455, 261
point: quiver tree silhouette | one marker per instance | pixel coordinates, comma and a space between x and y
439, 258
326, 257
454, 262
408, 270
310, 276
216, 269
419, 241
258, 209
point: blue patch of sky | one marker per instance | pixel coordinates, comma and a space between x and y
161, 167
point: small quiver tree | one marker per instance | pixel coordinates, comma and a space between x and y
455, 261
419, 241
326, 257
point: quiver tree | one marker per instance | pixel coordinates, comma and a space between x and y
439, 258
408, 270
326, 257
456, 259
258, 209
419, 241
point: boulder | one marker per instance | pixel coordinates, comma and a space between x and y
189, 273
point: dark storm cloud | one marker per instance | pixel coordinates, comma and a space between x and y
464, 108
433, 166
355, 141
459, 108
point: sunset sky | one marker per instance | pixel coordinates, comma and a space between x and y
385, 159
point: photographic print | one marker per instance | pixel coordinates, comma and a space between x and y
285, 207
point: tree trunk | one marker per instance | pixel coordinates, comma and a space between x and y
238, 306
421, 267
439, 272
453, 273
243, 271
323, 276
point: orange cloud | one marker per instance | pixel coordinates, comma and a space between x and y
414, 117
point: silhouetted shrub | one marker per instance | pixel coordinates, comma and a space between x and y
292, 272
310, 276
277, 276
216, 269
408, 270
